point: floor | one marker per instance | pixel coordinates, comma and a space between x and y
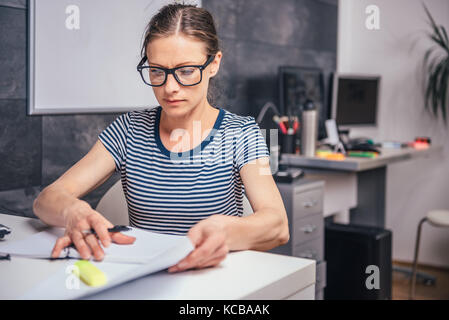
439, 291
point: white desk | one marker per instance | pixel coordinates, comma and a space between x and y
355, 164
355, 187
242, 275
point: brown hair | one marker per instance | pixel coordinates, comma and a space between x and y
186, 19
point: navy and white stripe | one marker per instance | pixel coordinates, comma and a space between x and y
169, 192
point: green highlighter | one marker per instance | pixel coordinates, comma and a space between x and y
90, 274
363, 154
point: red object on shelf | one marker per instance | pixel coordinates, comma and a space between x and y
283, 128
420, 145
423, 140
295, 126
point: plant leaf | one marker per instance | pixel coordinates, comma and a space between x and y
432, 87
438, 37
439, 42
437, 84
437, 69
433, 24
443, 31
430, 84
443, 89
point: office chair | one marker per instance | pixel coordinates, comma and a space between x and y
437, 218
113, 205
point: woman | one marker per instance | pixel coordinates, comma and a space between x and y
183, 165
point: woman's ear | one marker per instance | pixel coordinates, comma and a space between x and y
215, 65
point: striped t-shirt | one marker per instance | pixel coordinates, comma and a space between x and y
169, 192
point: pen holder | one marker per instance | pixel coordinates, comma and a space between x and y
288, 143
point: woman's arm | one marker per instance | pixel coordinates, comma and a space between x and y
267, 227
59, 205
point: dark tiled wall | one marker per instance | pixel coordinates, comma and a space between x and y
257, 36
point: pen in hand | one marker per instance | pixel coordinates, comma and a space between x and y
118, 228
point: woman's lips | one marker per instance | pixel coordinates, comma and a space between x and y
173, 101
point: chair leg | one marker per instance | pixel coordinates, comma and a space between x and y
421, 277
415, 260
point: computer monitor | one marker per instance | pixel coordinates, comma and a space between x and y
297, 85
355, 100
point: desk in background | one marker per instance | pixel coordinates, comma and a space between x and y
242, 275
356, 185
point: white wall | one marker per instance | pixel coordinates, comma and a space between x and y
395, 52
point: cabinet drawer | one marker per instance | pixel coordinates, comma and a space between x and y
310, 250
308, 202
320, 275
319, 295
308, 228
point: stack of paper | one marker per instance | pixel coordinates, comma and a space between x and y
151, 252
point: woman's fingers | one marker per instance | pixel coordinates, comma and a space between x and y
215, 258
101, 229
86, 243
60, 244
121, 238
81, 245
212, 263
210, 252
95, 247
208, 247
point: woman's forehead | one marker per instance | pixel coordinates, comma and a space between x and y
176, 49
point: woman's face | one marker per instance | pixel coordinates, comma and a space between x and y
175, 51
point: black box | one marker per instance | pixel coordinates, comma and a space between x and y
353, 253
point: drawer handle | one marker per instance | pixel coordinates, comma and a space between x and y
310, 204
308, 255
308, 228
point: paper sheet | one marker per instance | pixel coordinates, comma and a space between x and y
144, 249
151, 252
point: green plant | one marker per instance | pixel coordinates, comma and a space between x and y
436, 62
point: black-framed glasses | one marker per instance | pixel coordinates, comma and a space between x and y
185, 75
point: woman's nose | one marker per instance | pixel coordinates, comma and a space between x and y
171, 85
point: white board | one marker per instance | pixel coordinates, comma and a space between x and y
83, 55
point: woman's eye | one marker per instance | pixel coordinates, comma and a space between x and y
156, 72
186, 72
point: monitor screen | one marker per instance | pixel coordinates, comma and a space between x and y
299, 84
355, 100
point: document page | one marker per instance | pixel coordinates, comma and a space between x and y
151, 252
146, 247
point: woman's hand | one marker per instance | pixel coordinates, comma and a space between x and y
80, 216
209, 238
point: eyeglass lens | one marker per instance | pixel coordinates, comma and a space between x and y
186, 76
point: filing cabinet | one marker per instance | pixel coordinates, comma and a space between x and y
303, 201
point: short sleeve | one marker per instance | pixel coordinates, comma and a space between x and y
114, 139
250, 144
